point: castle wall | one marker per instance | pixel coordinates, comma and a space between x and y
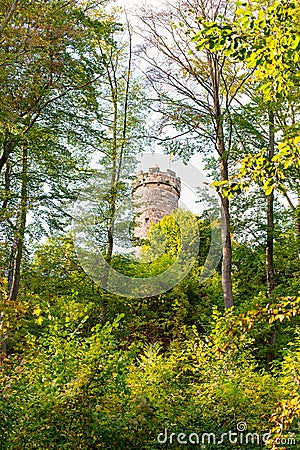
155, 195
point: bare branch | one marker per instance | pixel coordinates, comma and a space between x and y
9, 14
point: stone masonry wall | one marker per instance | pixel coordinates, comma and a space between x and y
155, 195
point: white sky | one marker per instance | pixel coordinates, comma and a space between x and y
188, 198
132, 3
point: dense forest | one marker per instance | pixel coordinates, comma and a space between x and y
198, 361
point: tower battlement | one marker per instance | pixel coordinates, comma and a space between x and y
155, 195
156, 177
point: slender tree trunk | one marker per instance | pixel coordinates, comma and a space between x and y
270, 215
297, 213
3, 300
18, 243
226, 243
6, 192
113, 193
9, 15
220, 144
118, 148
8, 147
270, 242
3, 350
298, 216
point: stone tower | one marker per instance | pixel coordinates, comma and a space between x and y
155, 195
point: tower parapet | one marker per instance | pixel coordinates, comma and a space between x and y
155, 195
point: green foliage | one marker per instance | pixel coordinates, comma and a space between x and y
263, 36
88, 369
69, 391
259, 168
168, 364
60, 396
287, 415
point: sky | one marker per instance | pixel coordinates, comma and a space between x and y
188, 198
132, 3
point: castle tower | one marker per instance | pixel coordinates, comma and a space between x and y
155, 195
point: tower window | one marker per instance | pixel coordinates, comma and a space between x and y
147, 219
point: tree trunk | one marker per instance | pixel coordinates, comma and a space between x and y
226, 244
215, 76
270, 215
3, 349
8, 147
298, 216
3, 211
17, 246
9, 15
270, 242
109, 249
117, 155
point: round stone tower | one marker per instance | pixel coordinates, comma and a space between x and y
155, 195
